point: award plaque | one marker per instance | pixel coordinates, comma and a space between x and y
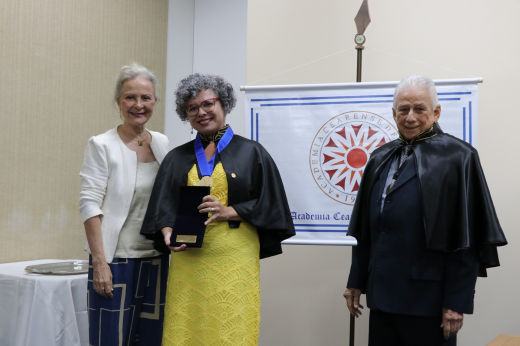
189, 225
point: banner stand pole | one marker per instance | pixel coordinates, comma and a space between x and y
352, 328
359, 49
359, 60
362, 20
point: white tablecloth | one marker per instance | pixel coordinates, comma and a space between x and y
42, 310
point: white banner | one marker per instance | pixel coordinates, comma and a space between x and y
321, 137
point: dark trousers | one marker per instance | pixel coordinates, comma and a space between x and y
135, 315
387, 329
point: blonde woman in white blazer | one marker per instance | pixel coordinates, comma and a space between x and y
127, 276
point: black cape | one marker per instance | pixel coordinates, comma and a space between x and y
255, 191
457, 206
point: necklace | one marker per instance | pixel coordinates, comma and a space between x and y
139, 142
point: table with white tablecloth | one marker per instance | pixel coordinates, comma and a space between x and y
43, 310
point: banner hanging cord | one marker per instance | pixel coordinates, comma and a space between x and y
345, 50
294, 68
421, 62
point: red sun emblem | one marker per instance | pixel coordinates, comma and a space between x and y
341, 149
346, 153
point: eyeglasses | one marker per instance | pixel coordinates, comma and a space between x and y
207, 106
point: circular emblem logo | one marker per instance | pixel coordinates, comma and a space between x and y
341, 149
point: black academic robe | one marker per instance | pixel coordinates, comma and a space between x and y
255, 191
457, 206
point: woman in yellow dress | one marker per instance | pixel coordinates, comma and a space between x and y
213, 294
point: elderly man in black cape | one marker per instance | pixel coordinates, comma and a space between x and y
426, 228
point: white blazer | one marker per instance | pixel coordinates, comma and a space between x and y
108, 178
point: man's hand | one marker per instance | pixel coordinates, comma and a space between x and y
352, 296
451, 322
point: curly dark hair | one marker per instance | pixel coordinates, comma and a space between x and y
191, 86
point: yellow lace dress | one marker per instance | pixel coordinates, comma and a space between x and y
213, 294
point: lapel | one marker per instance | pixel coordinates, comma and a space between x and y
157, 149
409, 172
380, 185
228, 161
238, 175
227, 156
381, 164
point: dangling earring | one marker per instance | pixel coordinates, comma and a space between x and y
121, 115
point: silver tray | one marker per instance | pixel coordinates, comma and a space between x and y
60, 268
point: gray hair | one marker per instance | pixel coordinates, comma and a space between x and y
420, 82
132, 71
193, 84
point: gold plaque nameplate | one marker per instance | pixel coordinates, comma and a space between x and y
206, 181
186, 238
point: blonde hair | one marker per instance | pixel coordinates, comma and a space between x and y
132, 71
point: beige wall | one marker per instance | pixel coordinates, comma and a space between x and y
58, 63
302, 301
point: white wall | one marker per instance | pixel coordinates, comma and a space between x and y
302, 289
208, 37
221, 48
179, 64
